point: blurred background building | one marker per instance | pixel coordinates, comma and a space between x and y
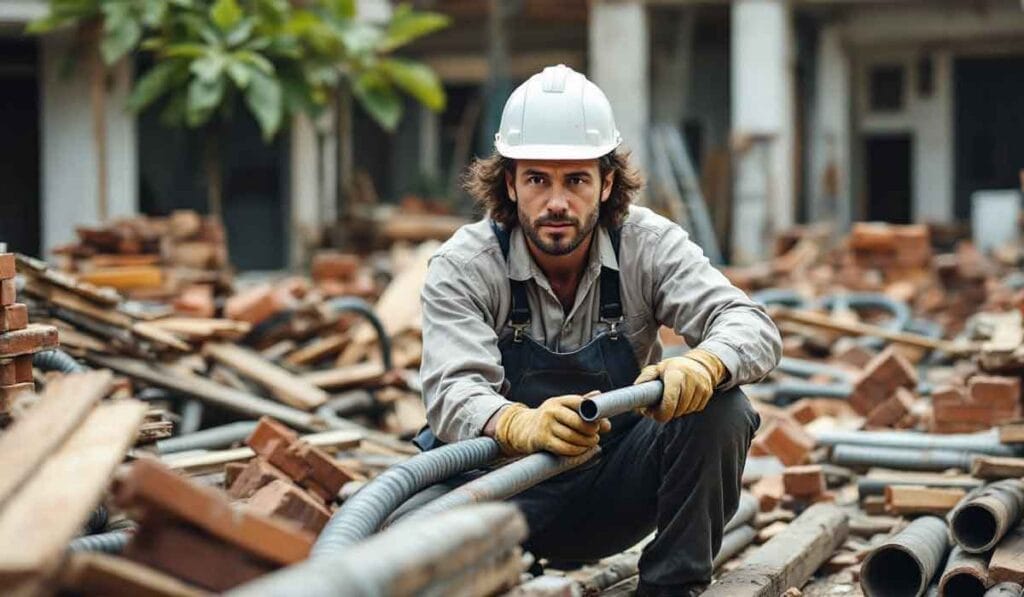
790, 111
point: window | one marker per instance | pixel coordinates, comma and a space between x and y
886, 91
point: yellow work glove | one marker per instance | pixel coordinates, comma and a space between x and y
554, 426
689, 380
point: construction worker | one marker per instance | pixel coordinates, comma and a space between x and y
561, 291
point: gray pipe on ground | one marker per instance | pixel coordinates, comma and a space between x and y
1005, 589
965, 575
986, 442
905, 564
207, 439
900, 458
502, 483
981, 519
745, 512
733, 543
456, 550
876, 486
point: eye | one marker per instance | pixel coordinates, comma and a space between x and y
577, 180
534, 179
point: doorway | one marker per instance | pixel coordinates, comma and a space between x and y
989, 94
19, 152
888, 178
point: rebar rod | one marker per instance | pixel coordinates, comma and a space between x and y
900, 458
905, 563
986, 442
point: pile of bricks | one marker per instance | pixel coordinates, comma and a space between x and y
19, 340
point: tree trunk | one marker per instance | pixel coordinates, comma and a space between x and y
98, 99
212, 164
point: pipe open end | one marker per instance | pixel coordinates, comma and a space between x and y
963, 585
892, 572
974, 528
588, 410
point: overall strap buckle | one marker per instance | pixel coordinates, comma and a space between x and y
518, 329
613, 326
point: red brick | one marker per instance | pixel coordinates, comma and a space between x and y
892, 411
13, 317
7, 266
948, 395
803, 411
804, 481
23, 369
886, 372
974, 413
231, 472
7, 393
855, 356
30, 340
310, 467
332, 265
769, 491
285, 500
196, 300
254, 305
257, 474
998, 392
786, 441
8, 292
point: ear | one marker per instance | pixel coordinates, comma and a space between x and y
510, 185
606, 185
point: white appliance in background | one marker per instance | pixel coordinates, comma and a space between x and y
994, 218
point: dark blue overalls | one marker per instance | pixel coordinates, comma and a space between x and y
681, 477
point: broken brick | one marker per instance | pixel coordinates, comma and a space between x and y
8, 268
769, 491
231, 472
886, 372
892, 411
13, 317
196, 300
256, 474
804, 481
307, 465
786, 441
285, 500
997, 392
8, 292
30, 340
332, 265
255, 305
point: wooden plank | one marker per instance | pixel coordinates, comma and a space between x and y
788, 559
194, 463
320, 348
997, 467
196, 328
208, 391
63, 492
288, 388
913, 499
147, 331
103, 574
125, 277
153, 487
349, 376
862, 329
63, 405
1012, 433
1007, 563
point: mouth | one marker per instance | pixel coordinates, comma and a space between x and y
557, 226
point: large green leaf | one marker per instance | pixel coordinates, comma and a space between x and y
225, 14
379, 99
407, 25
157, 81
203, 98
211, 66
341, 9
121, 32
416, 79
264, 99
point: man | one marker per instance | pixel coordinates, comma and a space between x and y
561, 292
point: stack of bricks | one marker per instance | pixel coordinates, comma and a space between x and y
18, 340
985, 401
883, 391
288, 477
895, 249
196, 535
805, 484
341, 274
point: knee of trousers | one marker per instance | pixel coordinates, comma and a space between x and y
728, 420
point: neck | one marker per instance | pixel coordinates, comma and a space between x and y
562, 269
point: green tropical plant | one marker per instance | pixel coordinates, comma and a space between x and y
279, 57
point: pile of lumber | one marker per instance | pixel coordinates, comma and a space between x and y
151, 257
19, 340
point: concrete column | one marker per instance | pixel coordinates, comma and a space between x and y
68, 151
763, 125
934, 164
829, 178
619, 47
305, 197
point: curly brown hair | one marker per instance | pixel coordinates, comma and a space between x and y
485, 181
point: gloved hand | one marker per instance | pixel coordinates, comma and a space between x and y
554, 426
689, 380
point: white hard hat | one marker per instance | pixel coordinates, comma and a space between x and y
557, 114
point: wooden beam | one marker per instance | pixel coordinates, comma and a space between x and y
997, 467
862, 329
64, 404
290, 389
349, 376
1007, 563
63, 492
103, 574
912, 499
788, 559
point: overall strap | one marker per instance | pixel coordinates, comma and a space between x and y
611, 299
519, 315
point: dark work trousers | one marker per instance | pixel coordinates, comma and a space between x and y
681, 478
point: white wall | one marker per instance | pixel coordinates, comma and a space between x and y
828, 174
619, 65
69, 185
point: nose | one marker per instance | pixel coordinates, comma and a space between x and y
558, 202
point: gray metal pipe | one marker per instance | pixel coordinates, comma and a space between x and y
868, 485
965, 575
363, 513
986, 442
900, 458
622, 400
733, 543
1005, 589
745, 512
806, 368
110, 542
207, 439
346, 404
439, 549
191, 416
986, 514
905, 563
505, 482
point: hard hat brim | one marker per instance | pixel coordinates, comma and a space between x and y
554, 152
